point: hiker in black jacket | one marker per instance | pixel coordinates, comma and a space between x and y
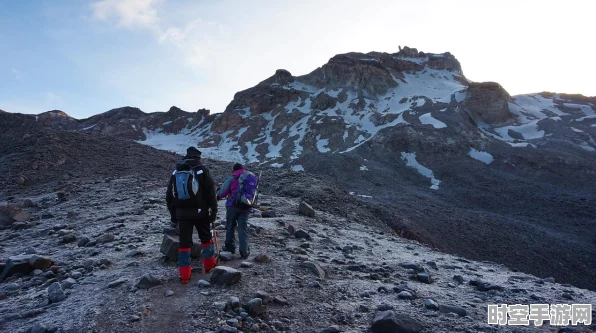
192, 202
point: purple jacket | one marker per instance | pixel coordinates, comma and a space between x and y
230, 188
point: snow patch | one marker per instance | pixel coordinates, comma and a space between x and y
87, 128
410, 159
244, 113
167, 123
586, 109
427, 119
176, 143
460, 96
363, 168
577, 130
420, 60
369, 59
481, 156
361, 195
322, 145
530, 107
334, 93
277, 165
528, 131
134, 127
299, 128
297, 168
520, 144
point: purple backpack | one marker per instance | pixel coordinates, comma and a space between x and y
247, 190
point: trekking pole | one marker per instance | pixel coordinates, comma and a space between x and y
215, 238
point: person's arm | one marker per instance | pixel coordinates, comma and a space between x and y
169, 200
225, 188
210, 198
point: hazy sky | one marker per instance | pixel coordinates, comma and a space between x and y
86, 57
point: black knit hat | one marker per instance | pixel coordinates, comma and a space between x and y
193, 151
238, 166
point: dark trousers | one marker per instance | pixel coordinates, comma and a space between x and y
236, 217
187, 228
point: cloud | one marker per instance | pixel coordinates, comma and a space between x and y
17, 75
128, 13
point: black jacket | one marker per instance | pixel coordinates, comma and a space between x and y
206, 200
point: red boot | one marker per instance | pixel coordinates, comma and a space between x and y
184, 265
208, 254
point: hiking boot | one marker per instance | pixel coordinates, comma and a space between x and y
208, 254
184, 265
245, 255
209, 264
225, 249
185, 274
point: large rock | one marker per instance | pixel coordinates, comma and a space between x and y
255, 307
315, 268
169, 247
11, 213
105, 238
21, 215
453, 309
224, 275
55, 293
40, 262
25, 264
390, 322
306, 209
148, 281
488, 102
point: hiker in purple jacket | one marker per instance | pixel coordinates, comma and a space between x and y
237, 188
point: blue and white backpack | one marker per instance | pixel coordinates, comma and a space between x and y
186, 184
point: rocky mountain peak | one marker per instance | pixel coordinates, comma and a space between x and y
54, 114
116, 114
175, 109
488, 103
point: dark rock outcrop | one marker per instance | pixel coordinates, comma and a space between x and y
487, 103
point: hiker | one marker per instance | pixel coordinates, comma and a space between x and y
191, 199
239, 189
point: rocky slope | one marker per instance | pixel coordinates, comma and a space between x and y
96, 249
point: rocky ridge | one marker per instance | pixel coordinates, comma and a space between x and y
306, 274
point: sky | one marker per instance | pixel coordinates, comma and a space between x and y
87, 57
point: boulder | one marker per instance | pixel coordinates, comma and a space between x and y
169, 247
390, 322
301, 234
488, 102
148, 281
40, 262
55, 293
453, 309
224, 275
25, 264
269, 213
431, 304
306, 209
105, 238
20, 215
255, 307
315, 268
